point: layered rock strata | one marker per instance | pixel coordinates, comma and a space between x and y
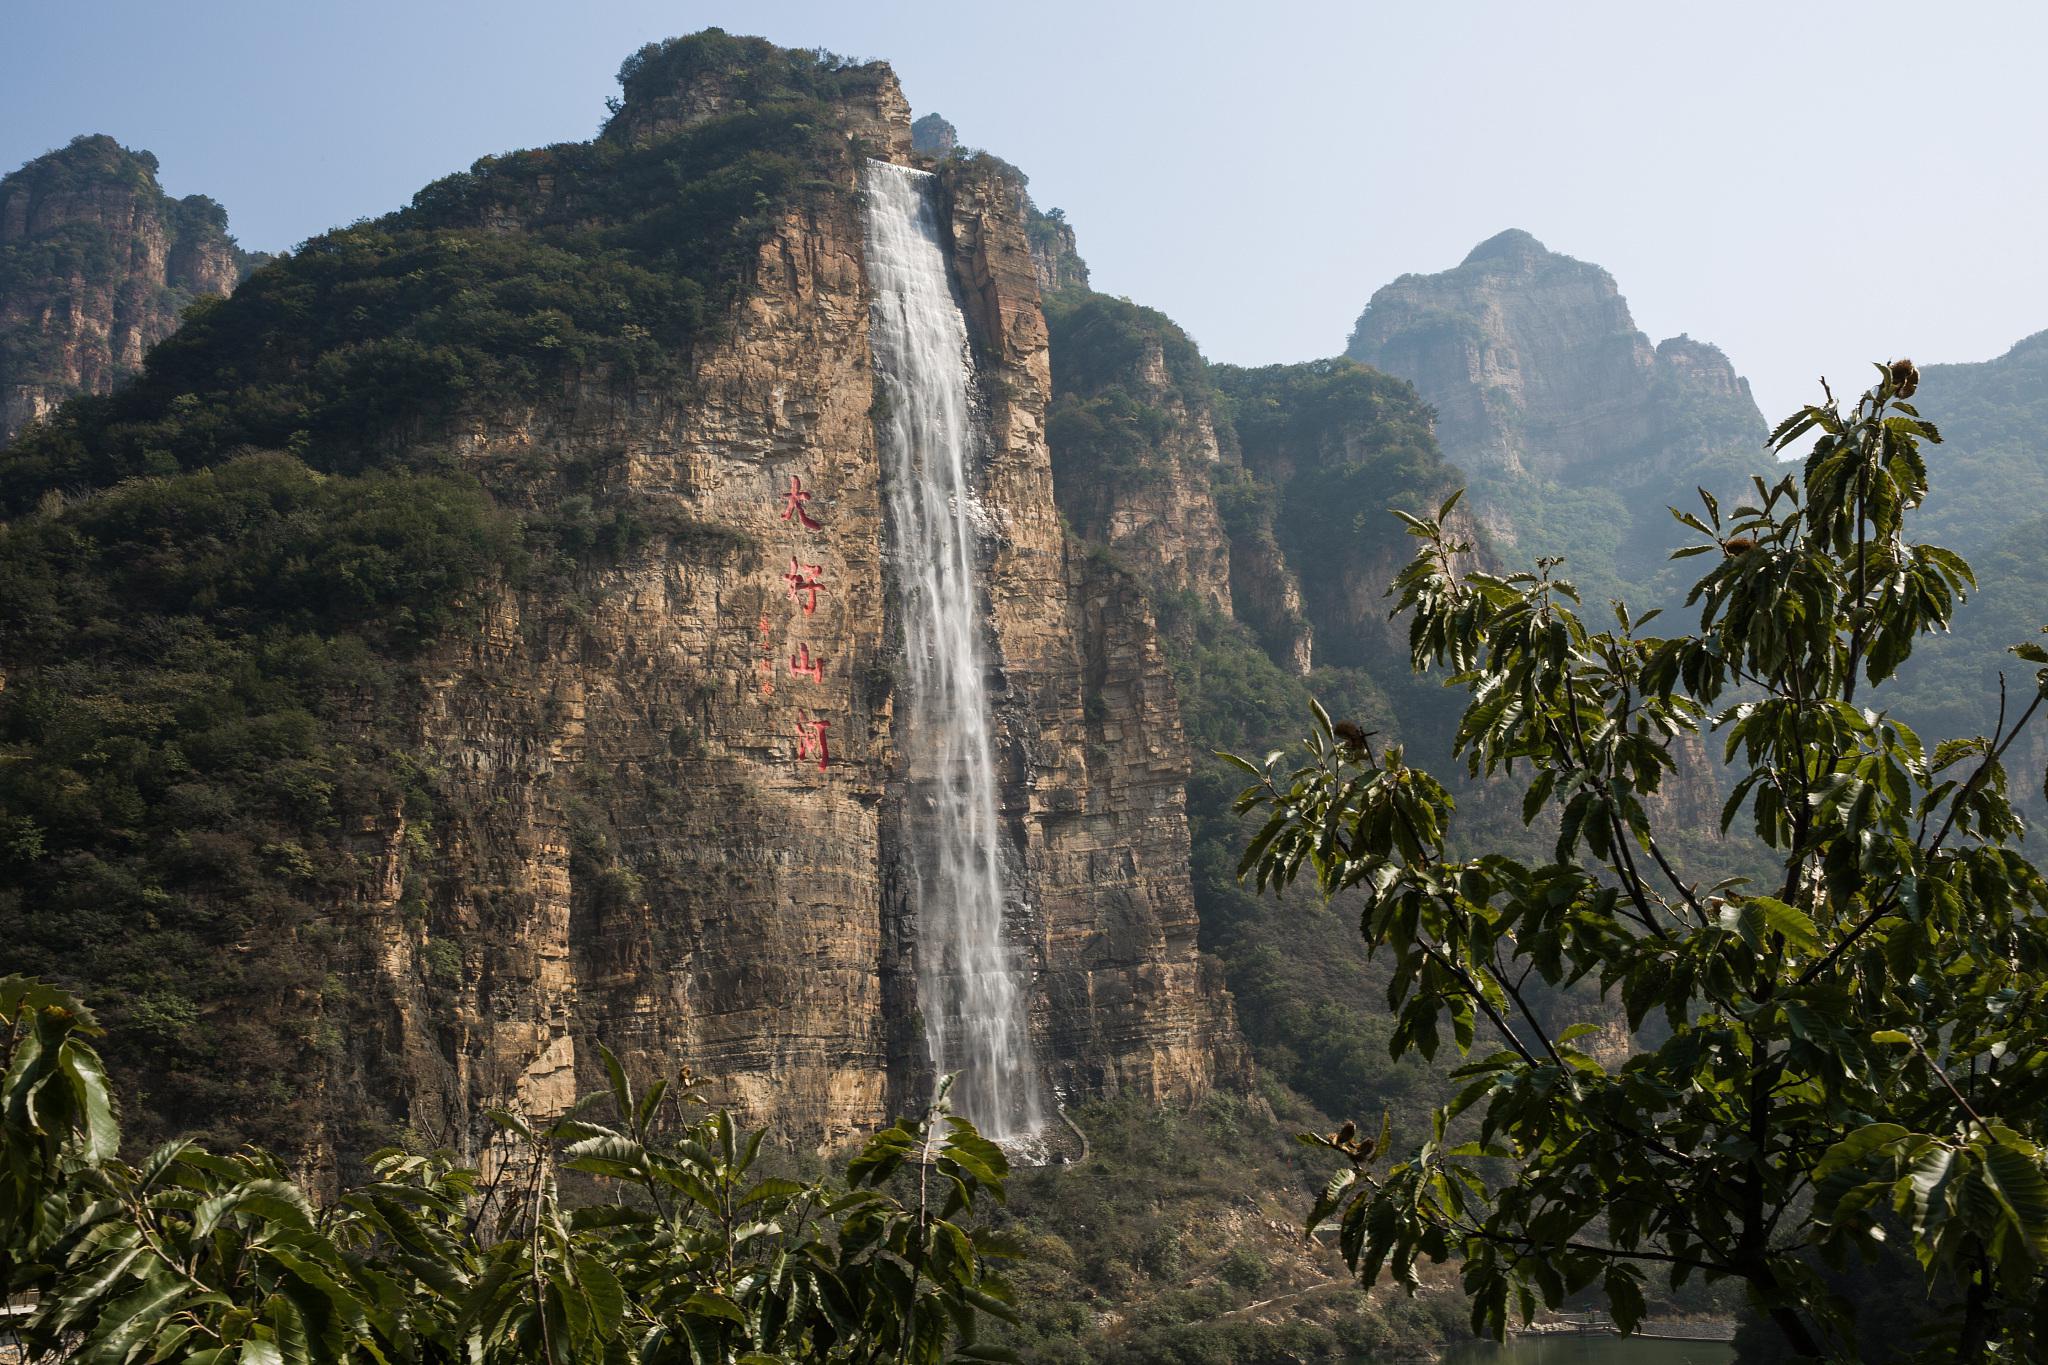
1136, 446
669, 804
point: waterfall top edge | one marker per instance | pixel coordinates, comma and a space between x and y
898, 166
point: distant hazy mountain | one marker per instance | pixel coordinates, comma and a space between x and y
1575, 429
1991, 471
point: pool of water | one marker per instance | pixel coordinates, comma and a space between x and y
1591, 1350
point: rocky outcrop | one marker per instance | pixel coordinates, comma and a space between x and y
1055, 254
1136, 449
96, 264
1535, 367
933, 136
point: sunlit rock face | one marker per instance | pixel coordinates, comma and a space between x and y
1535, 366
663, 796
677, 804
96, 263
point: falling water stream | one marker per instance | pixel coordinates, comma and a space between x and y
969, 978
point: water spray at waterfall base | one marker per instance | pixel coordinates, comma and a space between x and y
971, 980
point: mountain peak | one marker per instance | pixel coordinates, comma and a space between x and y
1514, 244
681, 82
1535, 367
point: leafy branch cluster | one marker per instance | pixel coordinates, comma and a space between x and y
1848, 1047
691, 1256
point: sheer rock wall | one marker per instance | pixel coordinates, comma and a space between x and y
638, 843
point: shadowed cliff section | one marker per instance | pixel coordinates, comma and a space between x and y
1253, 508
96, 264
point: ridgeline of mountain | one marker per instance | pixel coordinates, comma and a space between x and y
410, 690
96, 265
1576, 432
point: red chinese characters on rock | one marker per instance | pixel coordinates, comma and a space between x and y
810, 743
793, 504
804, 583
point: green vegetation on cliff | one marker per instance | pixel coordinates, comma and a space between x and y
1337, 448
215, 583
1327, 447
1103, 422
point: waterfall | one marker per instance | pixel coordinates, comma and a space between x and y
969, 978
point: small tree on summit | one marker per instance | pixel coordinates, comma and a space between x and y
1854, 1044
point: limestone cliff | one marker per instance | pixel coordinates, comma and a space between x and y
664, 861
645, 790
96, 264
1535, 366
1055, 254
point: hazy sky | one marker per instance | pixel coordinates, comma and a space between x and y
1809, 185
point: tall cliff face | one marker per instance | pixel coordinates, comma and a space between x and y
96, 264
643, 779
1536, 367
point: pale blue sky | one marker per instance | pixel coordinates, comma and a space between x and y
1809, 185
